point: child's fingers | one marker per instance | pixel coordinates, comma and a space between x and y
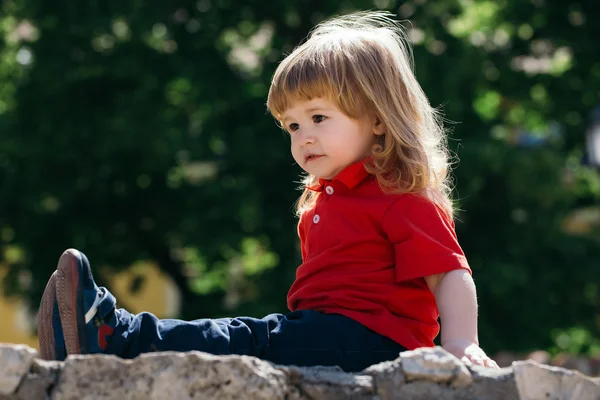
479, 358
491, 363
475, 359
482, 361
466, 361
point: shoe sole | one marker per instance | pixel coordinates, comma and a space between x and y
44, 320
68, 297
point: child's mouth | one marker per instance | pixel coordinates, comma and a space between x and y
312, 157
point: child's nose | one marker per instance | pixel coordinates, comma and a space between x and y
307, 138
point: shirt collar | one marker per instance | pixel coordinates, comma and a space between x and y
350, 176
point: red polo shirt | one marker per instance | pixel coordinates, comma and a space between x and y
365, 255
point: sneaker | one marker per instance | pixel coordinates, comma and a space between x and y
88, 315
52, 343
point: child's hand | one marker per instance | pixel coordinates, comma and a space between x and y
469, 353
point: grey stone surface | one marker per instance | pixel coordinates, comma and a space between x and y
328, 384
15, 361
492, 384
422, 374
488, 384
169, 375
39, 382
388, 378
541, 382
435, 365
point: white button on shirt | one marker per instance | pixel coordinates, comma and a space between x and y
329, 190
316, 218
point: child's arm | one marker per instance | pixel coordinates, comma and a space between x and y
456, 299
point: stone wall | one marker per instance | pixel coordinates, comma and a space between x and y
420, 374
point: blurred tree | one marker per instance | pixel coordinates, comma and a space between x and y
136, 132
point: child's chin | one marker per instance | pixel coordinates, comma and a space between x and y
327, 177
320, 173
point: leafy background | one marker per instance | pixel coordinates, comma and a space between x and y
138, 131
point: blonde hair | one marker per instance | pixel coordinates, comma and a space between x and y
363, 63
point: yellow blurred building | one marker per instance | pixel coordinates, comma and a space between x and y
156, 293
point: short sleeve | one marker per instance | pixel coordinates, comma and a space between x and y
424, 239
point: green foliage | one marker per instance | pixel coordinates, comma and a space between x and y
135, 132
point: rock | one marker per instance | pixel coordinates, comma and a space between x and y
39, 381
492, 384
435, 365
15, 361
589, 365
169, 375
328, 384
388, 376
487, 383
541, 382
423, 374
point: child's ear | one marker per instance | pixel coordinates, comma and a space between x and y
378, 126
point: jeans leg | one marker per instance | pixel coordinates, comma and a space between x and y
302, 338
144, 332
311, 338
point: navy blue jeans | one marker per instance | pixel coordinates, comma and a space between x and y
302, 338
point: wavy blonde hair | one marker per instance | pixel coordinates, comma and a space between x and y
363, 63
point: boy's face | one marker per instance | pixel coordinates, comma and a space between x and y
325, 140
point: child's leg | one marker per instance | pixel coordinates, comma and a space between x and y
143, 333
309, 338
302, 338
90, 323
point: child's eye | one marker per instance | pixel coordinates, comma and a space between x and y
318, 118
293, 127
